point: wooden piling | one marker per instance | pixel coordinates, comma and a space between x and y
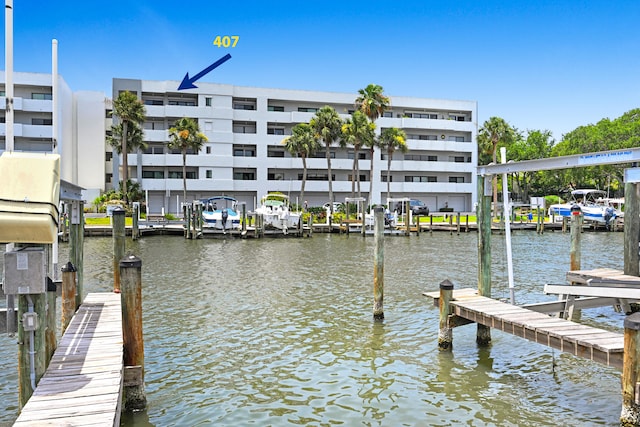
135, 229
118, 245
631, 229
76, 246
378, 263
68, 306
483, 335
576, 231
630, 414
244, 219
445, 334
407, 214
51, 341
134, 398
458, 222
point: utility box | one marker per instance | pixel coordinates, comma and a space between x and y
29, 197
24, 272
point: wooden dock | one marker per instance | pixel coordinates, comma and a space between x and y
83, 383
580, 340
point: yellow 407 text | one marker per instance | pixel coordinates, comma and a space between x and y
226, 41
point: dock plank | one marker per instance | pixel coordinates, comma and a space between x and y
83, 383
580, 340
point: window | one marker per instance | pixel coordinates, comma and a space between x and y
146, 174
43, 96
456, 138
244, 174
275, 152
415, 178
207, 101
432, 179
276, 176
323, 154
275, 108
208, 149
41, 122
421, 115
154, 148
307, 109
175, 174
361, 155
244, 150
244, 127
456, 179
153, 102
458, 159
275, 131
317, 177
244, 103
3, 93
363, 178
108, 156
3, 119
182, 102
384, 178
209, 174
432, 158
388, 114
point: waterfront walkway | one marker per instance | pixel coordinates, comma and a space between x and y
83, 383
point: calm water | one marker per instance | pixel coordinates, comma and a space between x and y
279, 332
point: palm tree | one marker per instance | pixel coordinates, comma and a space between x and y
327, 125
130, 111
373, 103
185, 134
357, 131
135, 142
494, 132
392, 139
303, 143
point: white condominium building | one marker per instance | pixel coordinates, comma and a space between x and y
81, 127
245, 157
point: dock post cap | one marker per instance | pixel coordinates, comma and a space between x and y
378, 208
118, 211
576, 210
130, 261
632, 322
68, 268
446, 285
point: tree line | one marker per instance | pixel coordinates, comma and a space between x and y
620, 133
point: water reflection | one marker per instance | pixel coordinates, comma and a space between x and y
281, 332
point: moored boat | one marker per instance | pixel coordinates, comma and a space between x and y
592, 205
220, 212
276, 212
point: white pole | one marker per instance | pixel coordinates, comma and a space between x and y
8, 32
507, 225
54, 95
54, 132
146, 201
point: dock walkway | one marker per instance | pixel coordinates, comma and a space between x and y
580, 340
83, 383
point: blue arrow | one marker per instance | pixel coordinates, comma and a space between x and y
187, 83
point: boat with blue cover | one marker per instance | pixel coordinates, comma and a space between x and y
221, 213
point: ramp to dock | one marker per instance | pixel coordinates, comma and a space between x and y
580, 340
83, 383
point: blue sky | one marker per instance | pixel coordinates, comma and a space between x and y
540, 64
